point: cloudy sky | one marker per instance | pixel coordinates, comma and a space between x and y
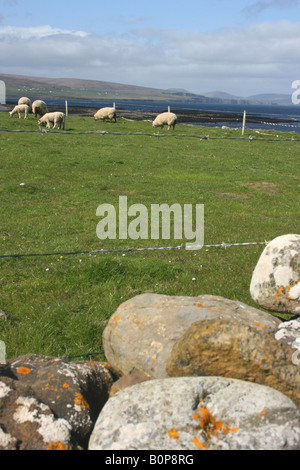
240, 47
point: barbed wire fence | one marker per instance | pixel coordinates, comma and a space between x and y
157, 135
125, 250
129, 250
142, 249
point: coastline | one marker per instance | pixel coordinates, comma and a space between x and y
184, 116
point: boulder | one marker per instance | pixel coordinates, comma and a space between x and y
74, 392
26, 423
289, 332
192, 413
275, 283
234, 349
143, 330
134, 377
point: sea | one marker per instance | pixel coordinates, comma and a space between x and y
283, 118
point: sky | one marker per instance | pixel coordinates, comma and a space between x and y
238, 47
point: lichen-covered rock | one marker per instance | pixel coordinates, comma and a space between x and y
236, 350
75, 392
144, 329
275, 283
289, 331
28, 424
191, 413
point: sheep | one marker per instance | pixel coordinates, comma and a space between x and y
20, 108
169, 119
25, 100
39, 108
57, 119
106, 113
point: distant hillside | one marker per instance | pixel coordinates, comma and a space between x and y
35, 87
273, 98
71, 88
222, 95
267, 98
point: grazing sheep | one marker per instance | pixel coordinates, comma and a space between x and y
39, 108
169, 119
57, 119
20, 108
25, 100
106, 113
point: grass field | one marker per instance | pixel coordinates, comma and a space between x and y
52, 183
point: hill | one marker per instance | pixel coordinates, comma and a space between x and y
74, 88
263, 98
71, 88
33, 87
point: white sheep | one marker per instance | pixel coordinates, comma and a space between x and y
168, 119
25, 100
56, 118
106, 113
39, 107
20, 109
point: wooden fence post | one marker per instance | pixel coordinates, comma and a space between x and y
244, 122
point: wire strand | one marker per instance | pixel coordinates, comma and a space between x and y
129, 250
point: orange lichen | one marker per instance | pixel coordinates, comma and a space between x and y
209, 424
56, 446
198, 444
173, 434
264, 413
116, 318
283, 292
259, 325
200, 305
23, 370
80, 401
65, 385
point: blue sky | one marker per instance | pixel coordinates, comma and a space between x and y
242, 48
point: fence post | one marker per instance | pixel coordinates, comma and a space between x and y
244, 122
169, 109
66, 103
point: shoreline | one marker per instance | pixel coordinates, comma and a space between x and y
184, 116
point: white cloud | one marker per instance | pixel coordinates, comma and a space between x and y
11, 32
258, 58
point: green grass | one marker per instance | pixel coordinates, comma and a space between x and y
59, 305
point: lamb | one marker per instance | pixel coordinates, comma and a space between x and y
106, 113
39, 108
20, 108
169, 119
56, 118
25, 100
